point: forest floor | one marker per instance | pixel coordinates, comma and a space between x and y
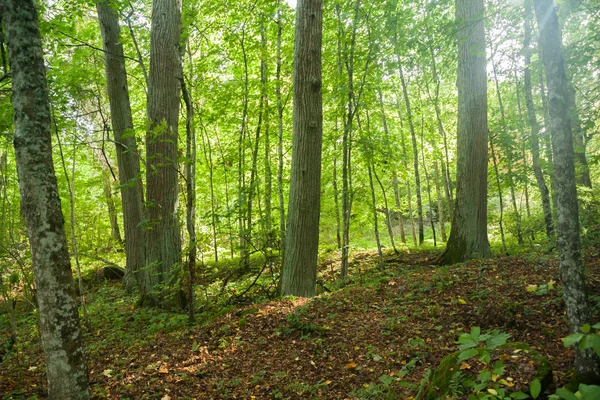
378, 337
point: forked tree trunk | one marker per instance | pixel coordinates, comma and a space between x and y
128, 159
572, 275
299, 271
66, 369
468, 236
163, 247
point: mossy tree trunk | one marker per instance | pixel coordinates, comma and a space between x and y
66, 368
571, 264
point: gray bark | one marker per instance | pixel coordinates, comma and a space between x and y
468, 236
163, 245
572, 276
534, 141
508, 150
66, 369
299, 271
415, 154
132, 196
280, 132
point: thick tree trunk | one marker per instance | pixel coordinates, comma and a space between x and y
468, 236
571, 264
299, 271
128, 158
66, 368
163, 246
534, 141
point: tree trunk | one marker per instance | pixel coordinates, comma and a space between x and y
534, 141
500, 195
128, 159
280, 132
442, 131
299, 271
163, 246
415, 154
394, 179
408, 186
468, 236
66, 369
336, 192
571, 264
190, 189
375, 218
388, 220
440, 202
511, 181
427, 182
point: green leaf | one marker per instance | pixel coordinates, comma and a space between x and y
589, 391
586, 328
590, 342
519, 395
475, 332
572, 339
535, 388
498, 367
485, 376
565, 394
596, 326
466, 354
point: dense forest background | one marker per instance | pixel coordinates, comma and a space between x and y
403, 128
203, 161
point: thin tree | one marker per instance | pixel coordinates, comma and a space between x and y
163, 246
468, 235
534, 141
128, 159
413, 137
299, 271
572, 275
66, 369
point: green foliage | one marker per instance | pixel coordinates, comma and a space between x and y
296, 322
587, 338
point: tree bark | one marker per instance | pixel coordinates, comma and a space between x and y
66, 368
299, 271
163, 246
534, 141
128, 158
468, 236
509, 166
572, 276
415, 154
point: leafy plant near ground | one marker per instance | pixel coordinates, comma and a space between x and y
486, 354
585, 339
491, 382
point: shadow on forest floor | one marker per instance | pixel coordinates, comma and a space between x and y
375, 338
